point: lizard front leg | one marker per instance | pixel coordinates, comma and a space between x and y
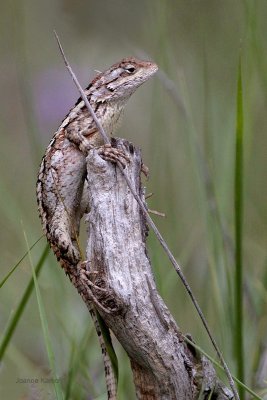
85, 136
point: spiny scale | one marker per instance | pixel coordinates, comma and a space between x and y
61, 180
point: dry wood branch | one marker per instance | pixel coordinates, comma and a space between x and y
164, 366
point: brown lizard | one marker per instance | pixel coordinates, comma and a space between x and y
62, 176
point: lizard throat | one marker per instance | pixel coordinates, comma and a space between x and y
110, 115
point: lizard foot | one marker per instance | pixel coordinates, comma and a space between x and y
87, 276
100, 296
109, 153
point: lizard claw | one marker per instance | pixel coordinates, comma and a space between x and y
109, 153
86, 276
100, 296
145, 170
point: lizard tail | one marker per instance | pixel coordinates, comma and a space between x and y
111, 381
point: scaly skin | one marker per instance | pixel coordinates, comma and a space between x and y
62, 176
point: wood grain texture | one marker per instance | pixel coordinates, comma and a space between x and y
164, 366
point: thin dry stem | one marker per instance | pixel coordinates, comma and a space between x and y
155, 229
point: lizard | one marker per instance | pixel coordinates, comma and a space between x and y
61, 184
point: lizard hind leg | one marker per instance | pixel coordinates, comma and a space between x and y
64, 240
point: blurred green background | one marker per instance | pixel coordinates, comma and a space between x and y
184, 120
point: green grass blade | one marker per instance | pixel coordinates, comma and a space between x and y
19, 311
71, 373
238, 232
48, 345
18, 263
77, 365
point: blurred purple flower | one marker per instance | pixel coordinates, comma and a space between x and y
54, 95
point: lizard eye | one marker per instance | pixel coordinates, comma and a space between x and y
130, 69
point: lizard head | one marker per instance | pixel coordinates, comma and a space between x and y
121, 80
